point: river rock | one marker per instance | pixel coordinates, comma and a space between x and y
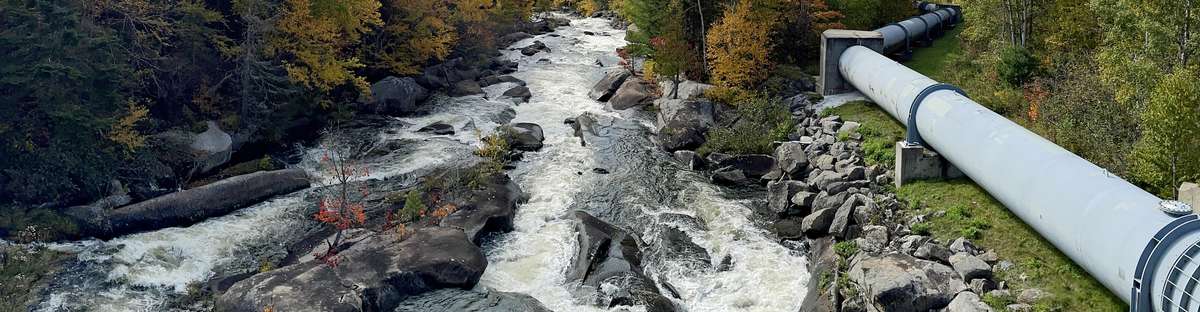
817, 223
689, 159
534, 48
460, 300
492, 80
673, 244
520, 94
611, 257
791, 160
444, 75
967, 302
524, 136
729, 176
514, 37
465, 88
841, 219
687, 124
632, 93
687, 89
212, 148
933, 251
383, 271
874, 238
970, 267
604, 89
898, 282
826, 179
825, 201
490, 209
438, 128
396, 96
961, 244
780, 193
753, 166
803, 203
188, 206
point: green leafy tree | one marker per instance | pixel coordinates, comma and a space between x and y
1169, 150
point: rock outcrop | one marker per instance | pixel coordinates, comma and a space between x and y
609, 256
524, 136
489, 210
898, 282
382, 270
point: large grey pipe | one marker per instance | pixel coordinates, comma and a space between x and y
902, 35
1108, 226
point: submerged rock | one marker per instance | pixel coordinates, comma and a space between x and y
438, 128
519, 93
382, 270
534, 48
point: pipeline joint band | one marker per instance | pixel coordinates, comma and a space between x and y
907, 45
914, 136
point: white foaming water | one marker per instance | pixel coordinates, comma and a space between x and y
533, 259
142, 272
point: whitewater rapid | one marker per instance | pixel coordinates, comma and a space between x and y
151, 271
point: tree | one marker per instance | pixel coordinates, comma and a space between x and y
414, 32
342, 205
313, 36
739, 46
1169, 149
651, 18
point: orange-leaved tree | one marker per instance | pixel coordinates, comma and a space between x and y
342, 204
739, 46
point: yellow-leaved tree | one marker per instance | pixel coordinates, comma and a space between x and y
314, 38
739, 47
414, 32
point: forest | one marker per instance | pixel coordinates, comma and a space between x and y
89, 83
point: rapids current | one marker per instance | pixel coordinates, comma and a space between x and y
644, 191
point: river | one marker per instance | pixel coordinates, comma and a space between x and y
643, 191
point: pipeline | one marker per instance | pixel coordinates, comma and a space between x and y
1133, 242
900, 37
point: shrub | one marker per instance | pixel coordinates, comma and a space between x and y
845, 249
763, 121
729, 96
414, 208
1016, 66
919, 228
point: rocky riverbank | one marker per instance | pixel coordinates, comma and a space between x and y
866, 252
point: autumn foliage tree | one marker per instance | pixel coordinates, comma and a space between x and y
739, 46
314, 37
341, 205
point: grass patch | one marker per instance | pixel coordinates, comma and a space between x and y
970, 211
880, 132
932, 61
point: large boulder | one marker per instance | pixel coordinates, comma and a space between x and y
791, 161
382, 271
212, 148
189, 206
604, 89
686, 124
459, 300
780, 194
970, 267
489, 210
444, 75
491, 80
534, 48
632, 93
753, 166
607, 267
465, 88
520, 94
899, 282
967, 302
686, 89
396, 96
524, 136
673, 244
817, 223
